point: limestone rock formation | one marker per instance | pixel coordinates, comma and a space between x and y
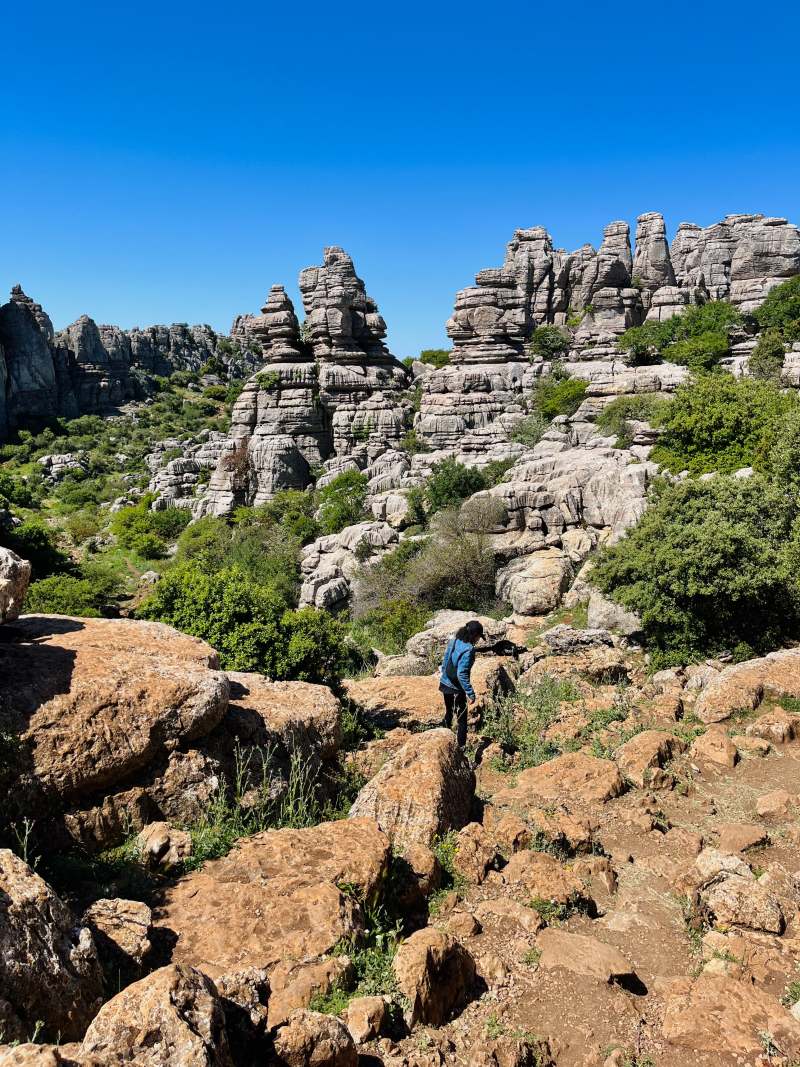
15, 574
49, 969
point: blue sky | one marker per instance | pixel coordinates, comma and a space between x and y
169, 162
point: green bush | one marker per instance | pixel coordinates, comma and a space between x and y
708, 325
766, 359
216, 392
549, 342
146, 532
710, 567
615, 418
555, 394
781, 309
450, 482
529, 430
435, 357
62, 594
36, 542
249, 625
341, 502
389, 625
412, 443
496, 470
17, 492
719, 423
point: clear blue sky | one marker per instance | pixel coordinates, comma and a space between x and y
169, 162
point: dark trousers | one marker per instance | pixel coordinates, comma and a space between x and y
456, 702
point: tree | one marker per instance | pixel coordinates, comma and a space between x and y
710, 567
549, 342
766, 359
450, 482
719, 423
781, 309
249, 625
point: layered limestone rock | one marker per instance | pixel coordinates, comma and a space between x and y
336, 395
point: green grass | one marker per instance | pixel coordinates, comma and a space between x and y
445, 849
518, 720
553, 913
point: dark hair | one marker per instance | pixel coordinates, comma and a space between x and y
471, 631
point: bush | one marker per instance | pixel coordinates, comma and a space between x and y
62, 594
615, 418
529, 430
341, 502
389, 625
18, 492
556, 394
249, 625
435, 357
549, 342
711, 322
781, 309
36, 542
710, 567
81, 525
412, 443
720, 423
766, 359
450, 482
216, 392
145, 532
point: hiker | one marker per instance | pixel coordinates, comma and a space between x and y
454, 683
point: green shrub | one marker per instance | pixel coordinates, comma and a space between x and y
496, 470
435, 357
519, 720
389, 625
766, 359
81, 525
529, 430
146, 532
450, 482
249, 625
698, 353
781, 309
341, 502
615, 418
549, 342
17, 492
412, 443
719, 423
216, 392
62, 594
555, 394
710, 567
36, 542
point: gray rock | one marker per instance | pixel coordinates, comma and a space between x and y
606, 614
15, 574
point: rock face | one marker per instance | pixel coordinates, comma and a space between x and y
87, 368
174, 1011
335, 394
275, 896
111, 694
420, 793
15, 574
49, 968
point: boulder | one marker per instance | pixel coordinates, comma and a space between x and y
583, 955
475, 853
512, 1050
738, 837
95, 700
543, 877
173, 1010
161, 845
429, 644
294, 984
724, 1016
276, 896
49, 967
776, 803
533, 584
422, 792
642, 758
575, 778
121, 930
734, 900
434, 973
714, 746
15, 574
365, 1018
605, 614
311, 1039
744, 685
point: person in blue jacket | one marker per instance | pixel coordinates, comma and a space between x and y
454, 683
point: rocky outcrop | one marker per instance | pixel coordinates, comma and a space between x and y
333, 392
15, 574
49, 969
276, 896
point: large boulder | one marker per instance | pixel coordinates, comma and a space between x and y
276, 895
434, 973
49, 968
583, 955
575, 778
15, 573
744, 685
173, 1016
533, 584
420, 793
311, 1039
94, 700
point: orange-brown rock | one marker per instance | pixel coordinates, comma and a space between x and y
642, 758
415, 701
365, 1018
776, 803
724, 1016
542, 877
94, 700
738, 837
576, 779
121, 930
294, 984
475, 853
776, 725
49, 968
173, 1012
582, 955
434, 973
424, 791
744, 685
161, 845
714, 746
276, 895
311, 1039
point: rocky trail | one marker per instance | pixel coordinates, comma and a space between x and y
607, 877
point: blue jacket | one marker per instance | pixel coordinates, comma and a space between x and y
456, 665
